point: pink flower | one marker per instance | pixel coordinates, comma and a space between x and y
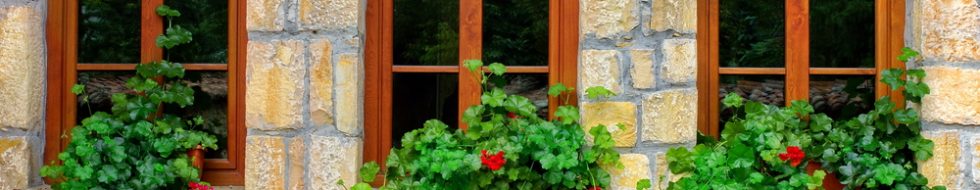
198, 186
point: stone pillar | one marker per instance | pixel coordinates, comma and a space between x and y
22, 69
304, 93
646, 52
947, 33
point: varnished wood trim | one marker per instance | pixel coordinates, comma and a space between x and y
470, 47
751, 71
424, 69
55, 36
797, 50
842, 71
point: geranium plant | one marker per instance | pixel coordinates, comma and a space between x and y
505, 146
768, 147
134, 146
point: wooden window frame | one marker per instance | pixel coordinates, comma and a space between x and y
889, 36
563, 45
62, 41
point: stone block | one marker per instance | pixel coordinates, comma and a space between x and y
679, 15
947, 30
329, 14
670, 116
332, 159
264, 15
608, 18
276, 85
600, 68
954, 96
642, 69
943, 168
21, 67
265, 162
680, 60
297, 165
349, 77
15, 162
321, 83
637, 167
611, 114
662, 178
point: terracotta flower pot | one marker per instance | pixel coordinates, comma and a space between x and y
830, 182
197, 158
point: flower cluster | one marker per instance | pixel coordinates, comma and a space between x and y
794, 155
494, 162
198, 186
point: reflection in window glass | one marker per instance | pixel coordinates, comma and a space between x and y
751, 34
420, 97
207, 20
109, 31
425, 32
99, 88
842, 97
211, 103
531, 86
842, 33
515, 32
761, 88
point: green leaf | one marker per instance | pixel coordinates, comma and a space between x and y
643, 184
567, 114
732, 100
77, 89
922, 148
597, 92
361, 186
473, 65
816, 180
907, 116
497, 69
494, 98
369, 171
166, 11
557, 89
892, 77
907, 54
889, 173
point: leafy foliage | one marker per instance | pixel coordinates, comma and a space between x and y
134, 146
537, 153
878, 149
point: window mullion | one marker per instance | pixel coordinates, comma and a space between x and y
151, 26
797, 50
470, 47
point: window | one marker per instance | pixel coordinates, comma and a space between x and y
415, 49
99, 42
827, 52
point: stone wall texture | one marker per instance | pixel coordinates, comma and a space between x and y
305, 87
947, 33
22, 74
646, 52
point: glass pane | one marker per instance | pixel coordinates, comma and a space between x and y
751, 34
420, 97
99, 87
842, 97
109, 31
842, 33
208, 21
515, 32
426, 32
531, 86
768, 89
211, 103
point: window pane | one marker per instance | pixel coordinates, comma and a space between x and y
842, 97
109, 31
842, 33
515, 32
208, 21
768, 89
99, 87
531, 86
751, 34
420, 97
426, 32
211, 103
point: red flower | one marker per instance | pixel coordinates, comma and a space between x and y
595, 188
794, 154
198, 186
494, 162
512, 115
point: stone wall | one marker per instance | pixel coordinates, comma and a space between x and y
22, 75
304, 93
646, 52
947, 33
